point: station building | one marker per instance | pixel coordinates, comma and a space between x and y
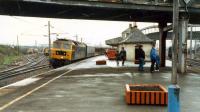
131, 38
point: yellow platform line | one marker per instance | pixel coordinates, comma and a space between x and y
30, 92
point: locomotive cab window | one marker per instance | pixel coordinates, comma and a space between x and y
66, 46
56, 45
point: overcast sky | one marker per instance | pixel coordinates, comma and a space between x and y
31, 30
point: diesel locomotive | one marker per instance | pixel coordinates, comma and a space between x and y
66, 51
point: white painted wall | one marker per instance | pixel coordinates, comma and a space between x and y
130, 51
147, 50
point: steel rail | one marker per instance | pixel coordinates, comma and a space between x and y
2, 77
14, 68
193, 62
22, 67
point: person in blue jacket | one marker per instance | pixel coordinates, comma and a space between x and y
153, 55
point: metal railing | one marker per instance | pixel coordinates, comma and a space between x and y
152, 2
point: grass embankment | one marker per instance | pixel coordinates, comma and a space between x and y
8, 55
10, 59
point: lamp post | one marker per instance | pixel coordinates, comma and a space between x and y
191, 41
17, 45
174, 89
49, 35
49, 41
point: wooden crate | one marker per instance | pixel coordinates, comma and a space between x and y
101, 62
146, 94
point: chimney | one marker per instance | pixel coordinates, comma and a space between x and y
134, 24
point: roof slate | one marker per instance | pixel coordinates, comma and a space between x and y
135, 37
114, 41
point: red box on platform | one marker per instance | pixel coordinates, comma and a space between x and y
101, 62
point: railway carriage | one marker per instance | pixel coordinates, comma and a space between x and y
90, 51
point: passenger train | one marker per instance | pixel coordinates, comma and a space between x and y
65, 51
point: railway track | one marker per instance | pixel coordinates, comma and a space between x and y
9, 74
29, 64
33, 65
194, 65
193, 62
197, 55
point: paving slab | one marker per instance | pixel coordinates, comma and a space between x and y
103, 91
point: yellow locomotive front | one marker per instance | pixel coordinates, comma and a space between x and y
61, 52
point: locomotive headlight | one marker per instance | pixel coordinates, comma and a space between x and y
61, 57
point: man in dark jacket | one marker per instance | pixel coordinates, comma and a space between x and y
123, 55
141, 57
117, 55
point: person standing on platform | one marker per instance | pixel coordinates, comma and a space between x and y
123, 55
117, 55
141, 57
153, 55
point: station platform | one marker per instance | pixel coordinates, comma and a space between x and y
86, 87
